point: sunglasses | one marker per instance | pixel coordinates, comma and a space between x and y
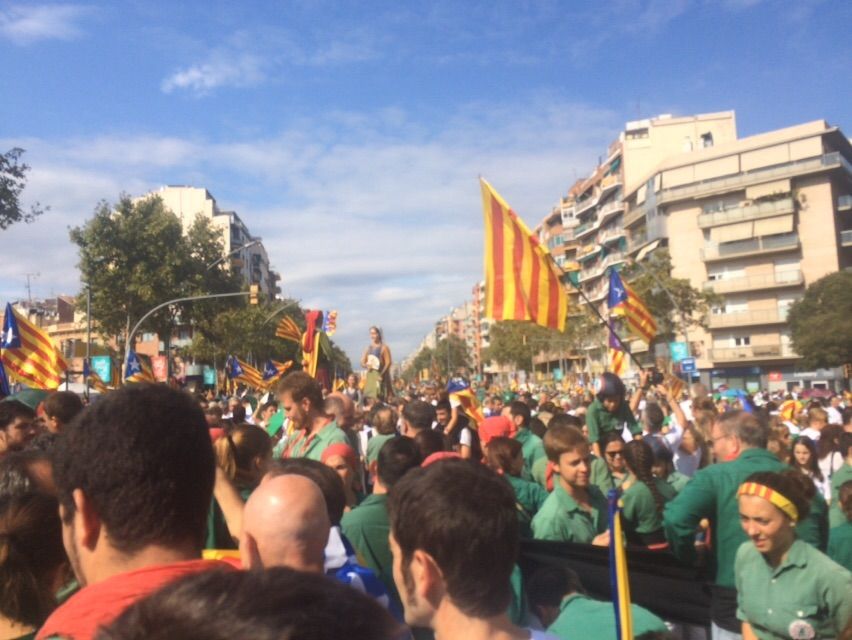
614, 454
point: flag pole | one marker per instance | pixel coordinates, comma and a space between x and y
624, 347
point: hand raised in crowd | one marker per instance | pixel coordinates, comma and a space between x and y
602, 539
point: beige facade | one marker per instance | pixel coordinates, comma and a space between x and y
755, 220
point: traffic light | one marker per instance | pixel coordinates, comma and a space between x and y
254, 293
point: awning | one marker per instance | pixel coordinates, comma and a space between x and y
732, 232
770, 226
648, 248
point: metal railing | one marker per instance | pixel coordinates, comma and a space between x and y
764, 281
743, 318
610, 207
844, 202
752, 352
752, 245
580, 207
748, 212
632, 215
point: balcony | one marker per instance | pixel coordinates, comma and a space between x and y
609, 183
747, 318
586, 228
754, 352
632, 215
752, 246
588, 251
585, 205
846, 238
756, 283
844, 203
747, 212
610, 235
740, 180
599, 269
609, 209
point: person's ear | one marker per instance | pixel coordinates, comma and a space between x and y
373, 467
428, 578
87, 521
249, 555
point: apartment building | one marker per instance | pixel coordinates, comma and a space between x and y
755, 220
251, 261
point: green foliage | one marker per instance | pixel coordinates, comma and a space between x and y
448, 356
694, 303
514, 343
819, 323
13, 179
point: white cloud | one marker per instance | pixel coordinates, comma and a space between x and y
26, 23
361, 212
222, 69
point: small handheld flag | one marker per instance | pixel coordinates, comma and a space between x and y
330, 322
622, 301
240, 371
460, 392
617, 359
29, 353
136, 370
274, 370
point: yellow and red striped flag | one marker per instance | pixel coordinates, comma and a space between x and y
137, 369
29, 353
240, 371
617, 357
288, 330
623, 302
522, 282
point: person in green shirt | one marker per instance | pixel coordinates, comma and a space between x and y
785, 587
367, 526
664, 469
557, 597
643, 497
533, 448
840, 477
739, 439
504, 455
576, 510
609, 471
840, 537
610, 411
301, 397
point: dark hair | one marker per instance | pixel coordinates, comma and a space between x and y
272, 404
142, 457
845, 443
276, 604
503, 456
844, 499
16, 473
608, 437
813, 463
419, 414
551, 583
44, 442
640, 459
748, 429
518, 408
791, 484
31, 553
238, 414
561, 439
215, 411
654, 417
300, 385
384, 420
430, 441
464, 516
326, 478
396, 458
829, 440
538, 427
565, 420
443, 405
237, 451
63, 405
10, 410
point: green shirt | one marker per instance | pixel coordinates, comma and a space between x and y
375, 444
712, 493
562, 519
814, 528
539, 471
677, 481
835, 514
532, 449
640, 509
583, 617
367, 527
600, 421
312, 446
529, 498
806, 596
601, 476
840, 545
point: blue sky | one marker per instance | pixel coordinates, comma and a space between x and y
350, 135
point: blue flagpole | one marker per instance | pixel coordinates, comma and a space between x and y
612, 501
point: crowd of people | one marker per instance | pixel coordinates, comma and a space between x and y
382, 513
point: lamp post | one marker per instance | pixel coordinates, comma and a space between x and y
230, 253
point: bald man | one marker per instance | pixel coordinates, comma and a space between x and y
285, 524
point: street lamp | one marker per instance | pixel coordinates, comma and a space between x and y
230, 253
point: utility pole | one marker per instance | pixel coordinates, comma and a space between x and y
29, 289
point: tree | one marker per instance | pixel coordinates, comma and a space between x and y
514, 343
13, 175
695, 304
451, 355
423, 360
819, 323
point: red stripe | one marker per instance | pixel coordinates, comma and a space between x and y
497, 247
20, 360
521, 312
37, 337
553, 300
536, 274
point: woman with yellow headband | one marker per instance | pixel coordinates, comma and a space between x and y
785, 587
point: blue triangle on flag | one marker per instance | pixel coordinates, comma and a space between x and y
11, 333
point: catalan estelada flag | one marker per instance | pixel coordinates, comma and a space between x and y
618, 570
522, 282
273, 370
623, 302
137, 370
288, 330
239, 371
29, 354
459, 391
617, 357
5, 389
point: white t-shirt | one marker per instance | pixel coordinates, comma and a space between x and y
813, 434
834, 416
465, 437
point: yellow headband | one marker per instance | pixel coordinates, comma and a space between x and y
762, 491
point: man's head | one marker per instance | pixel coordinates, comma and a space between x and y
397, 457
443, 413
213, 415
417, 415
453, 547
384, 421
735, 431
323, 476
817, 418
268, 410
16, 425
301, 397
134, 473
342, 408
61, 408
654, 417
520, 414
546, 589
285, 524
568, 450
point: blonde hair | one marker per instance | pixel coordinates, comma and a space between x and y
237, 451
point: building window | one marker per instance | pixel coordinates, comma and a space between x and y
707, 139
742, 341
636, 134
